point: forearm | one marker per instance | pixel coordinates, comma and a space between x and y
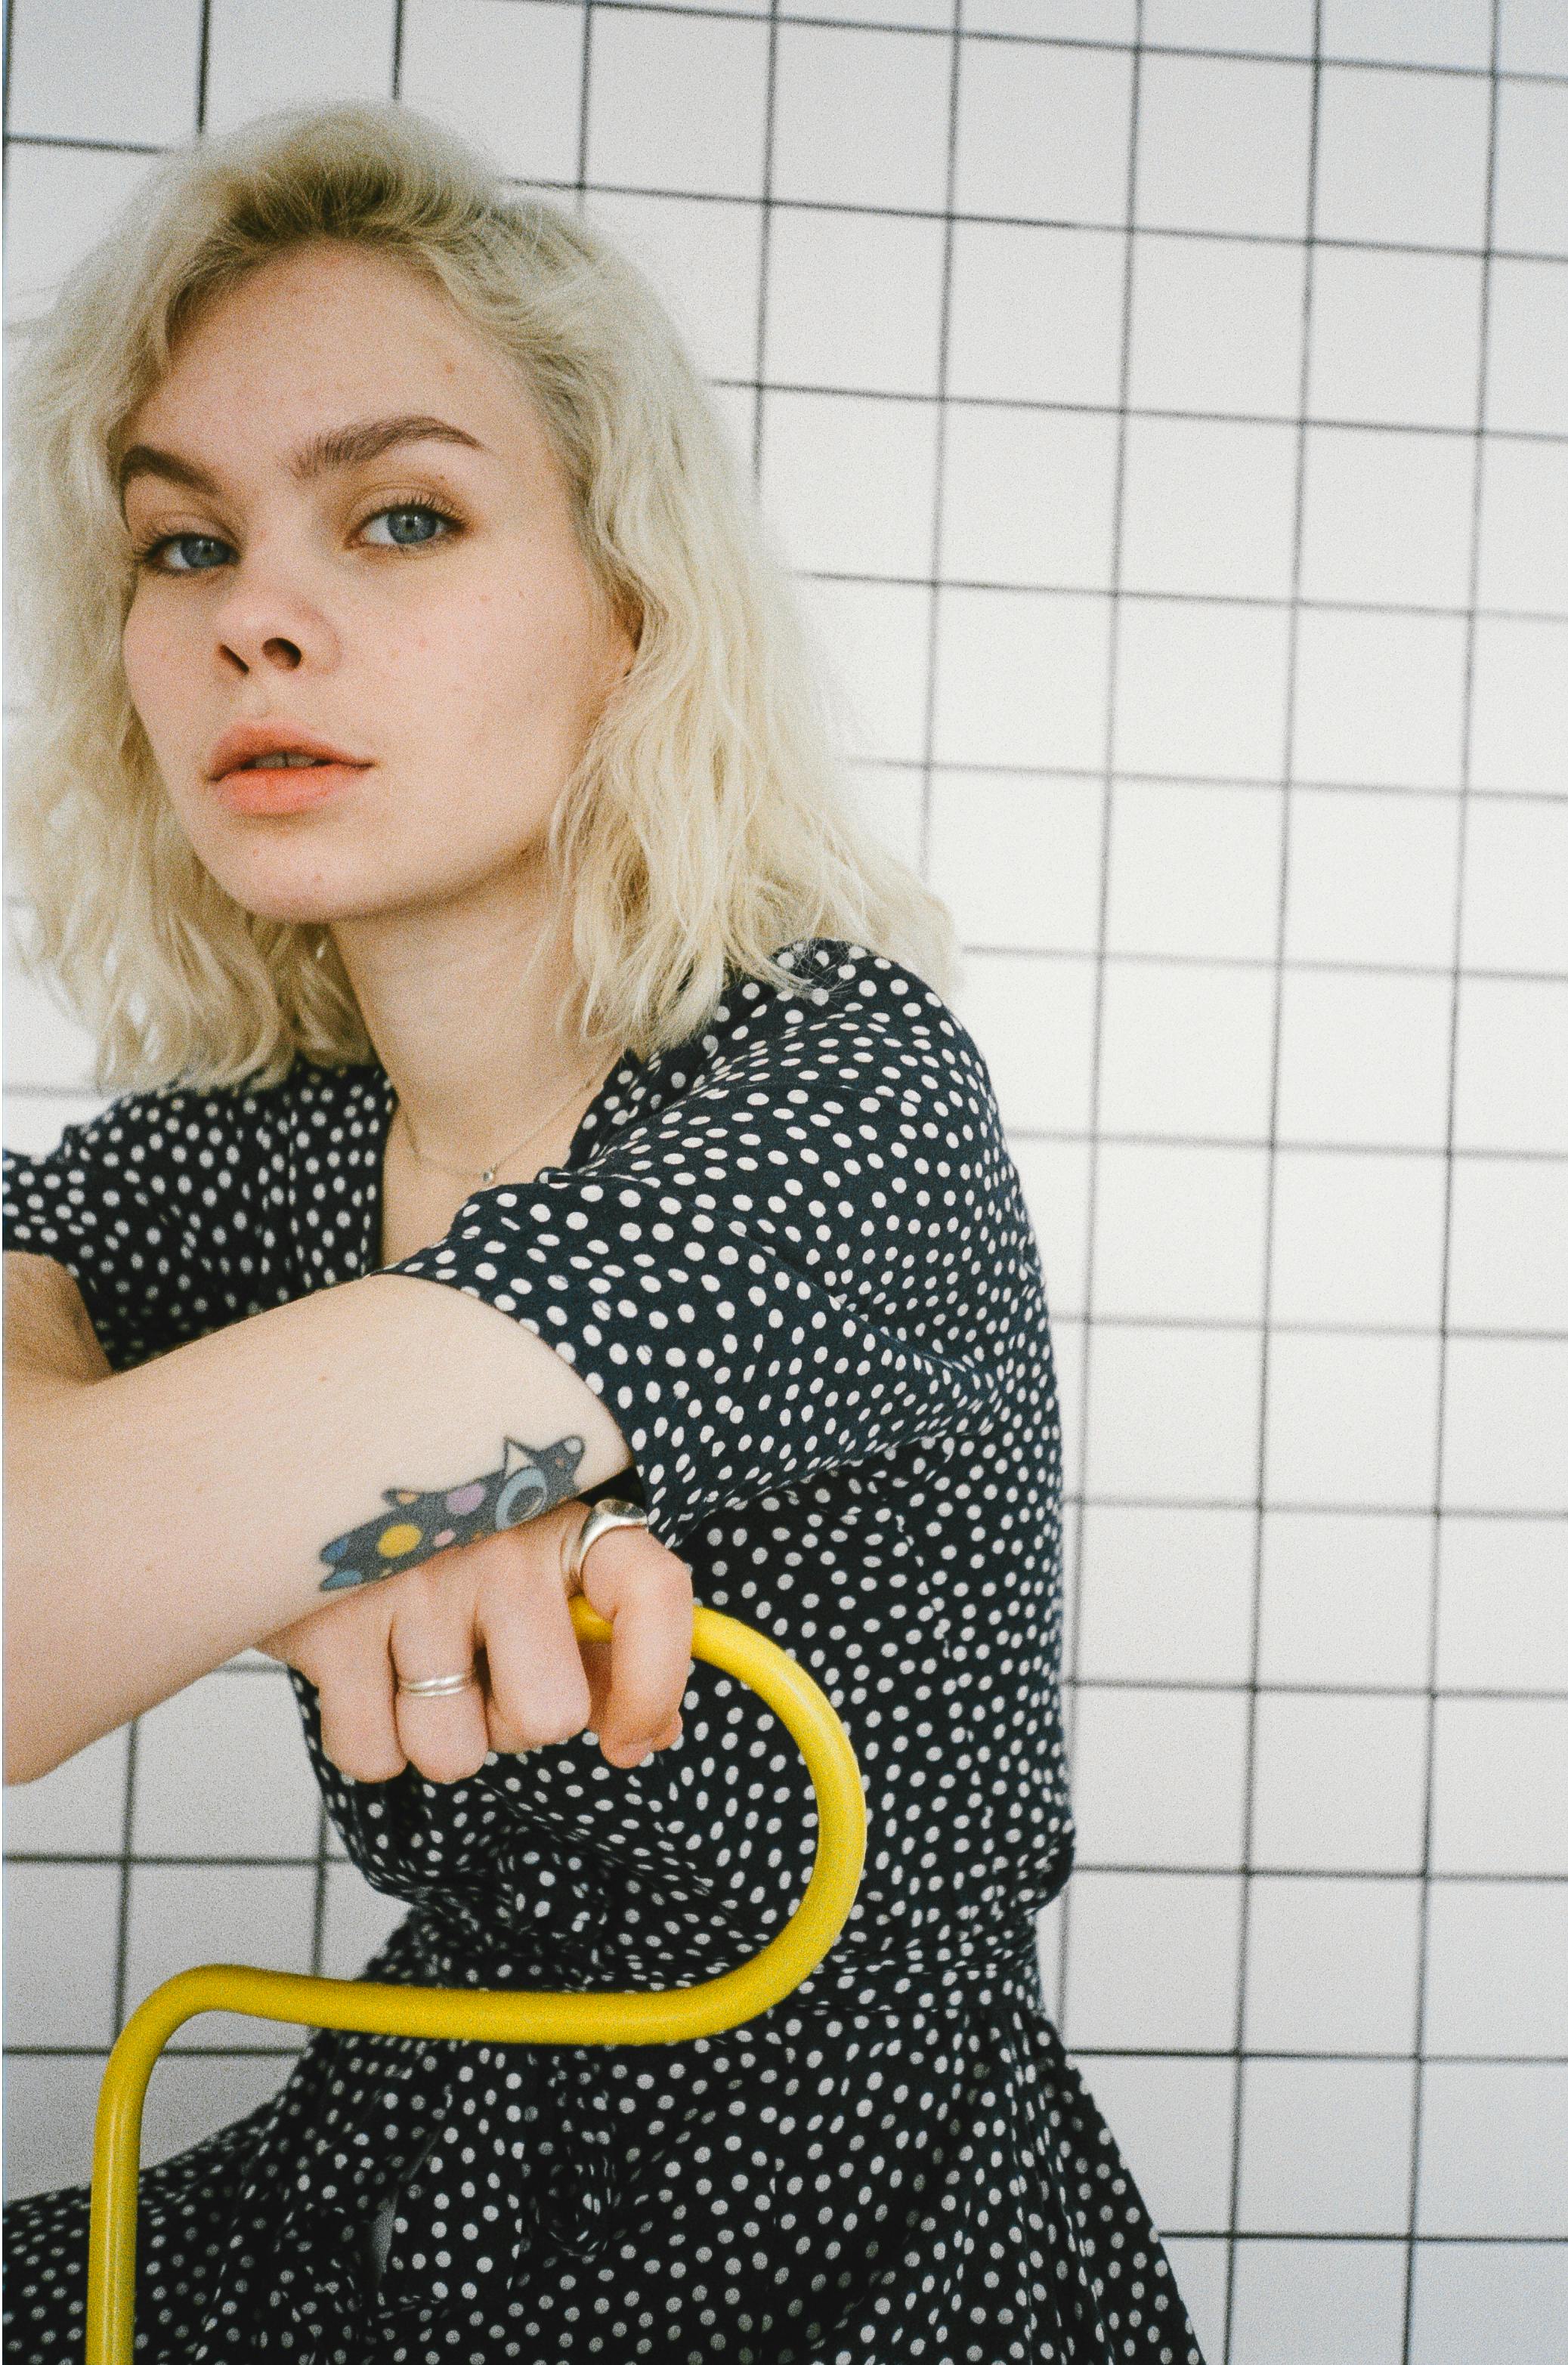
168, 1516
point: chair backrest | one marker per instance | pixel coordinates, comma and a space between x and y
656, 2017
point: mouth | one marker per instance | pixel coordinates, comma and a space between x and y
286, 781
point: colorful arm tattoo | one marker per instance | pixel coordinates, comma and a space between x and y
531, 1479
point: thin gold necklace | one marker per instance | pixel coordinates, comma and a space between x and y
488, 1173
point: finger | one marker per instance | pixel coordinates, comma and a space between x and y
646, 1593
433, 1634
538, 1689
342, 1651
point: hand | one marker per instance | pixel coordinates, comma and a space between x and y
500, 1606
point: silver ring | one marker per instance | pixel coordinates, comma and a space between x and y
437, 1687
611, 1513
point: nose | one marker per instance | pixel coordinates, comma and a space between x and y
269, 620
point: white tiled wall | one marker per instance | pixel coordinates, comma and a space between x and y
1166, 407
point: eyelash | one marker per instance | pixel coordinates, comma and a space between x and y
145, 553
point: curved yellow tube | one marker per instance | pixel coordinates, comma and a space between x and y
498, 2018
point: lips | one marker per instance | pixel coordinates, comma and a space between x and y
243, 743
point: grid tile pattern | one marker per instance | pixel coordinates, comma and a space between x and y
1165, 408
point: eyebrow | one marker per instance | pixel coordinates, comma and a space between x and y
339, 448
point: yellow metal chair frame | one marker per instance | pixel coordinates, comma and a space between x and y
657, 2017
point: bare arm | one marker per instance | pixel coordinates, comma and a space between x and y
161, 1519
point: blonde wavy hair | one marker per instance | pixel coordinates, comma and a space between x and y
710, 821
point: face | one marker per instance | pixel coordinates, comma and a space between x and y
409, 595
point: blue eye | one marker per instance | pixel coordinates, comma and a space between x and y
160, 554
426, 522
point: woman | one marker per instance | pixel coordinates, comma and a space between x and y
561, 980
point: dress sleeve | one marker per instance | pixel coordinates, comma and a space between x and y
798, 1256
142, 1206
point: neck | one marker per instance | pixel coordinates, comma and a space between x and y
461, 1005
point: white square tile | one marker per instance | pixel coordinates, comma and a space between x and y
891, 801
1499, 1776
873, 640
192, 2098
1338, 1783
1308, 1945
1043, 131
1493, 2137
1021, 679
1067, 1341
1280, 27
1217, 325
1173, 1413
60, 202
1402, 157
1066, 20
1200, 690
1524, 524
1387, 516
79, 1810
1054, 1176
860, 118
853, 301
61, 1921
1048, 1931
1152, 1961
296, 53
851, 481
676, 104
1017, 859
105, 73
1358, 1238
1158, 1777
50, 2106
1326, 2146
1346, 1600
1198, 2264
929, 15
1532, 38
1505, 1419
1511, 1087
1352, 1419
1373, 878
1178, 1232
1502, 1607
1194, 870
1441, 33
1223, 145
221, 1770
1520, 730
1364, 1059
1174, 2125
1516, 886
1318, 2303
1531, 204
1527, 346
217, 1913
1395, 338
1167, 1594
511, 78
1027, 496
704, 259
1208, 506
1185, 1050
1035, 315
1497, 1967
1380, 700
1034, 1021
358, 1920
1509, 2297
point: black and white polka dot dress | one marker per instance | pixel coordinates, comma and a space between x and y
793, 1257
